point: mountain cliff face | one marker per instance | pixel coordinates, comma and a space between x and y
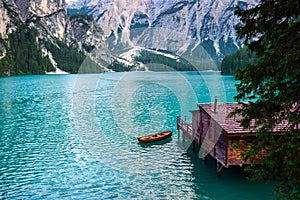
43, 30
8, 14
198, 27
52, 14
39, 36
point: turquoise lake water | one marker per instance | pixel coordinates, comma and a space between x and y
74, 137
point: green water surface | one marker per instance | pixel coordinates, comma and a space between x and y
74, 137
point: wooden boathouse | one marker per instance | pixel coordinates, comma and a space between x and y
215, 134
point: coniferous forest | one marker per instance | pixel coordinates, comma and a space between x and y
24, 56
237, 60
67, 58
157, 62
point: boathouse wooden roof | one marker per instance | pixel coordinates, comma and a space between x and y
232, 125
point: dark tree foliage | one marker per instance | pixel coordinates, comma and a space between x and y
157, 62
237, 60
81, 17
119, 67
23, 55
67, 58
272, 86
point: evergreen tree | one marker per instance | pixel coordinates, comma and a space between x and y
68, 58
163, 63
272, 30
237, 60
24, 55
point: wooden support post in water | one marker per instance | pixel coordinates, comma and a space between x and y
193, 145
178, 121
219, 168
183, 134
178, 127
204, 159
194, 139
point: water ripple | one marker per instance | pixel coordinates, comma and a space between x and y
45, 156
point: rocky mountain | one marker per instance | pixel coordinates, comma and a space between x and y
202, 31
38, 36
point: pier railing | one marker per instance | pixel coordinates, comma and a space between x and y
185, 126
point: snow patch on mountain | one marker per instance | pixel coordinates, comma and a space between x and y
204, 25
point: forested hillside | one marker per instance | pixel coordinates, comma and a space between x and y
237, 60
23, 56
39, 36
67, 58
158, 62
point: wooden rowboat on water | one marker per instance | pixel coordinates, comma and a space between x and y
155, 137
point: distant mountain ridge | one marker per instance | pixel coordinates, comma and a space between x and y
203, 27
39, 36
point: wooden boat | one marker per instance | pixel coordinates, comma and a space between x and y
155, 137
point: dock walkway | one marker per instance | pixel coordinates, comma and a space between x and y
188, 131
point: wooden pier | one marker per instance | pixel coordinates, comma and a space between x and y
187, 130
185, 127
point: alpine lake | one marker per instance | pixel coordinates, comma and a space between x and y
75, 137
